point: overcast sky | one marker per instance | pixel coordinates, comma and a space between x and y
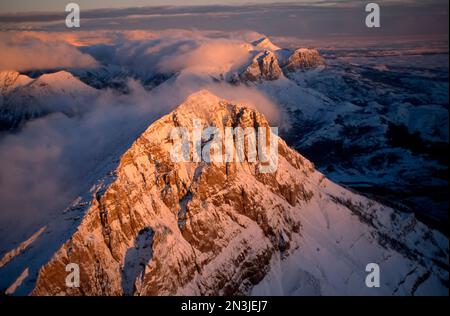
58, 5
55, 5
301, 18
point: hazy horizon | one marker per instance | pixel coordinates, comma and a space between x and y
301, 19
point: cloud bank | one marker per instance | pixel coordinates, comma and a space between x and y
22, 52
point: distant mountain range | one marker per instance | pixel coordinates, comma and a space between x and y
24, 98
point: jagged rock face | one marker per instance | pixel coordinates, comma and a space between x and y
271, 62
303, 59
211, 232
164, 227
264, 66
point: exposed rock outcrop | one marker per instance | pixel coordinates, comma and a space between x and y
270, 62
264, 66
212, 234
197, 228
303, 59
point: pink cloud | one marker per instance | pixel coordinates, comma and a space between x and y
24, 51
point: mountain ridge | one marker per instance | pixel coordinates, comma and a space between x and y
226, 225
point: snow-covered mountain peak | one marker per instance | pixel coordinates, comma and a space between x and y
304, 59
162, 227
62, 81
264, 66
202, 105
265, 43
9, 80
61, 75
210, 111
269, 62
24, 98
200, 102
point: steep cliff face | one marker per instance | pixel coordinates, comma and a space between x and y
264, 66
270, 62
214, 227
265, 43
162, 227
303, 59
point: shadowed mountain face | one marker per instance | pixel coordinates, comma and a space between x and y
136, 258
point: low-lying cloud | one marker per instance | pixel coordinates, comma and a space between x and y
55, 158
24, 52
213, 56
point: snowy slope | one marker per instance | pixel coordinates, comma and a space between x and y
383, 131
25, 98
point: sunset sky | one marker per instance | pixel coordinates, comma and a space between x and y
311, 19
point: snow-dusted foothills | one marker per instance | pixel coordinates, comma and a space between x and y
87, 177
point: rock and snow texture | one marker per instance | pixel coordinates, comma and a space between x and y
269, 62
22, 247
264, 66
162, 228
303, 59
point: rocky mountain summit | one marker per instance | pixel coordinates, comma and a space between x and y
162, 228
271, 62
303, 58
264, 66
